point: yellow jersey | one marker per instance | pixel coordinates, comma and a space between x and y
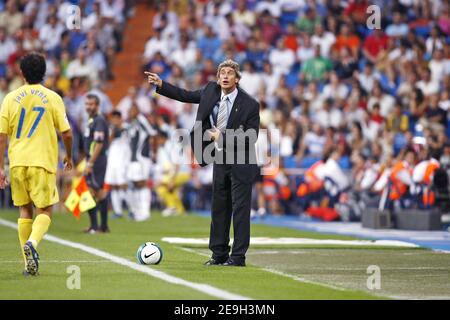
30, 116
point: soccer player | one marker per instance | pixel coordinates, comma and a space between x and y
138, 173
119, 155
172, 172
30, 116
96, 144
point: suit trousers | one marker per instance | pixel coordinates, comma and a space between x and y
231, 200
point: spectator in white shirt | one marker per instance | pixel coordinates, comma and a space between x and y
329, 115
251, 81
218, 22
7, 46
131, 98
163, 10
368, 77
313, 143
81, 68
334, 89
437, 66
185, 54
244, 16
324, 39
90, 21
112, 10
272, 6
50, 34
385, 100
398, 28
434, 41
305, 50
281, 58
156, 44
426, 84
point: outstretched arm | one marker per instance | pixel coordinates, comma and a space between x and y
173, 92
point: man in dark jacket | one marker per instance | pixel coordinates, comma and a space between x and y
225, 134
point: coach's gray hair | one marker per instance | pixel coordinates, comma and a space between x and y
231, 64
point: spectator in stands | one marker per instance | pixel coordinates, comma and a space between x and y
316, 68
11, 19
209, 42
324, 39
347, 40
375, 46
308, 21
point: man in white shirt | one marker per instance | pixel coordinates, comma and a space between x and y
185, 55
50, 34
426, 84
7, 46
156, 44
324, 39
281, 58
132, 97
81, 68
251, 81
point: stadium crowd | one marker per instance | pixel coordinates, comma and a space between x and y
357, 108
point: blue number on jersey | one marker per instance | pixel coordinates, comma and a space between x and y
41, 111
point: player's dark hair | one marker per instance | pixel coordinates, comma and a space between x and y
33, 67
116, 113
93, 97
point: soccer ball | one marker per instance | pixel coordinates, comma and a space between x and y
149, 253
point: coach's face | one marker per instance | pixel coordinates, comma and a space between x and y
228, 79
91, 107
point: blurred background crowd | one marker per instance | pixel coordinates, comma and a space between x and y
333, 87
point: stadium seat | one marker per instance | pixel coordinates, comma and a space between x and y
290, 162
2, 70
344, 163
308, 162
292, 79
287, 17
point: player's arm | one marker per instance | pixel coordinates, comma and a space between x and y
63, 126
67, 140
4, 130
3, 179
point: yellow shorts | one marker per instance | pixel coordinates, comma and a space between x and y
33, 184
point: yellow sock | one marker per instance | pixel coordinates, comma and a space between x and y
40, 228
24, 228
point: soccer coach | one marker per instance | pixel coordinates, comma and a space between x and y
226, 116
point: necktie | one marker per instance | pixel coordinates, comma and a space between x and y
222, 116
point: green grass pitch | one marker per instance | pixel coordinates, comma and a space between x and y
277, 272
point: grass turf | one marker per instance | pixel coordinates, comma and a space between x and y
105, 280
342, 272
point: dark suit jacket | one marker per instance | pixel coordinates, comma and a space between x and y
243, 119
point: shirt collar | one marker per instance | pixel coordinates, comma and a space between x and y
231, 96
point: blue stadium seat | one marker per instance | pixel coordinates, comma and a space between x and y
448, 128
287, 17
291, 79
2, 70
399, 142
290, 162
308, 162
423, 32
344, 163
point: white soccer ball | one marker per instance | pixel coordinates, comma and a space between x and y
149, 253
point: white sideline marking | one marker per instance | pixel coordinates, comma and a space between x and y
57, 261
300, 241
280, 273
204, 288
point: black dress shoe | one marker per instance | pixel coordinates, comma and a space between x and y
232, 263
214, 262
